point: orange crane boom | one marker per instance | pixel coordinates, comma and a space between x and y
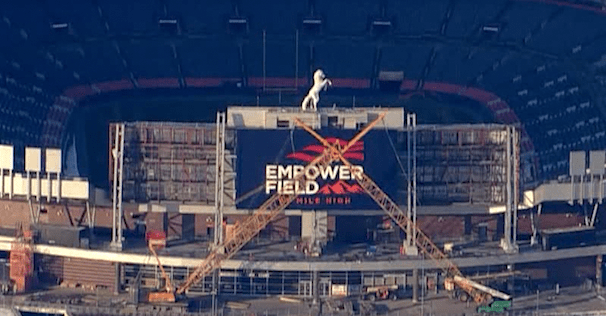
478, 292
168, 295
244, 232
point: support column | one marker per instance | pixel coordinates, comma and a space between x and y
510, 280
410, 244
117, 211
315, 286
39, 180
50, 188
598, 273
59, 192
508, 242
500, 226
309, 229
219, 177
118, 281
215, 292
415, 285
535, 221
11, 183
468, 226
29, 185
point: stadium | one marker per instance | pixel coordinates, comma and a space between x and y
167, 157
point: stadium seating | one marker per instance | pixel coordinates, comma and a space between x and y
133, 17
557, 113
336, 60
275, 17
522, 18
198, 17
418, 17
559, 37
409, 58
82, 17
469, 16
53, 56
210, 58
354, 23
159, 60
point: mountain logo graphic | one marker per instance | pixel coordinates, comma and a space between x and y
310, 152
340, 187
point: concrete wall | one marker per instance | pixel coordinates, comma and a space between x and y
566, 272
76, 271
13, 213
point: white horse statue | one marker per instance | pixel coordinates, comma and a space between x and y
312, 98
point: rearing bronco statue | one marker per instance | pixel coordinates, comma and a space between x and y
312, 98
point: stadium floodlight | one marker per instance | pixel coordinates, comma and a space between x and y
169, 24
238, 25
490, 31
312, 22
59, 26
312, 25
380, 27
488, 28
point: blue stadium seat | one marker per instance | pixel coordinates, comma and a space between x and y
352, 22
418, 17
449, 66
82, 16
209, 58
345, 59
408, 58
280, 58
523, 17
469, 16
131, 17
29, 16
275, 16
150, 59
592, 50
481, 61
207, 17
103, 62
558, 37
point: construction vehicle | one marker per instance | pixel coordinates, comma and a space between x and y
495, 307
157, 240
454, 278
383, 292
252, 225
279, 201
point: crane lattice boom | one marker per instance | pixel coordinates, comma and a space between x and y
424, 243
244, 232
253, 224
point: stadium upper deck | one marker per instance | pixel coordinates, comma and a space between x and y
521, 59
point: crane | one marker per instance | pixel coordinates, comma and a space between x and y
252, 225
478, 292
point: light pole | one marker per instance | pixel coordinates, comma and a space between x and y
537, 302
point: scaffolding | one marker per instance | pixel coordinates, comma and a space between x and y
22, 261
466, 164
174, 162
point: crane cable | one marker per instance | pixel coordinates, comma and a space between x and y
393, 147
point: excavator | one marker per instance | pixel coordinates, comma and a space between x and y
250, 227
